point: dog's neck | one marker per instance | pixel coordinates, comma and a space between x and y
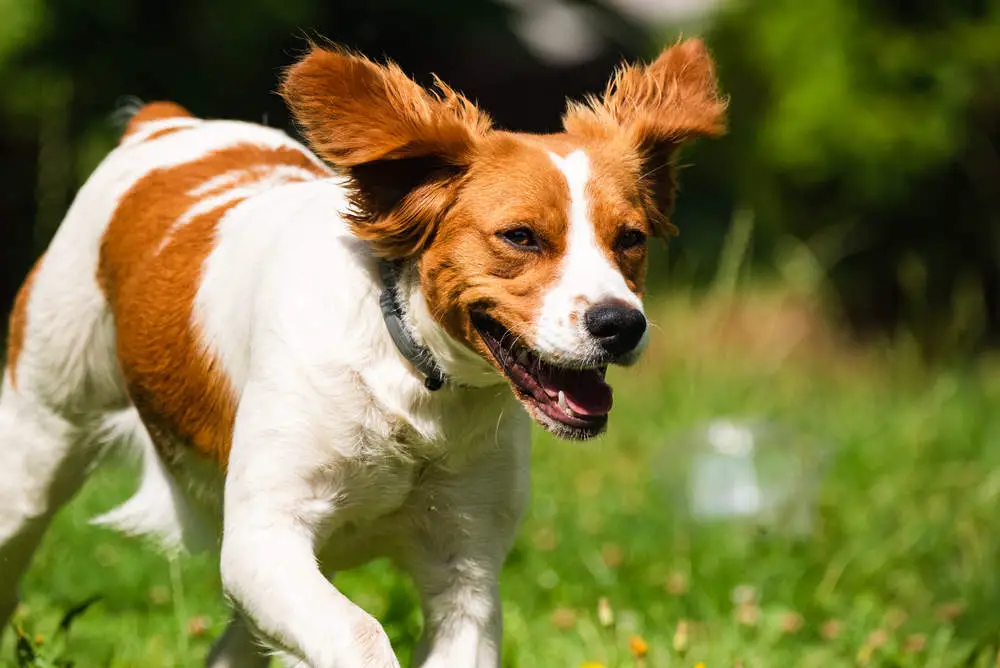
424, 343
416, 354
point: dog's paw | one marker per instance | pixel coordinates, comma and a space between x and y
369, 646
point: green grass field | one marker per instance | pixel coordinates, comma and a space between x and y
901, 569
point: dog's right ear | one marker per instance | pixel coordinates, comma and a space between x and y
404, 146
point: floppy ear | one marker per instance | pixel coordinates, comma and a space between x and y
659, 107
404, 147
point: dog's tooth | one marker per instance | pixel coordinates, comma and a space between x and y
563, 406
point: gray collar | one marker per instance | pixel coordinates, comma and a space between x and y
392, 313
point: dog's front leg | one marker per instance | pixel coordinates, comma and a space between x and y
462, 615
456, 552
278, 496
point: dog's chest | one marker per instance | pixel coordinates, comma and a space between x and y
403, 471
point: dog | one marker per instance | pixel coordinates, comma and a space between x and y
330, 354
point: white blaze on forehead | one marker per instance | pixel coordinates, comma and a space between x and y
586, 274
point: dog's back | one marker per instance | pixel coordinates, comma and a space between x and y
101, 330
132, 245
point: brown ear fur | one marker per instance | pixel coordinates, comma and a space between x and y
404, 146
659, 107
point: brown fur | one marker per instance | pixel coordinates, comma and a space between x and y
354, 111
163, 133
403, 144
19, 322
514, 181
469, 266
155, 111
176, 386
431, 179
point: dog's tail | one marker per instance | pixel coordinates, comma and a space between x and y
159, 509
125, 110
131, 112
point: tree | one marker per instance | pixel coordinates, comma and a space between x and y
879, 121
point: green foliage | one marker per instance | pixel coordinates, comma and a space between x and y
878, 122
901, 570
42, 652
866, 130
22, 19
853, 88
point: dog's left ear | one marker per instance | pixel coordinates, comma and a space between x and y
403, 146
659, 107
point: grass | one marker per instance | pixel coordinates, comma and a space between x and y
899, 570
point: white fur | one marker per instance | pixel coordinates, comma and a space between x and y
464, 366
586, 278
223, 191
339, 453
142, 134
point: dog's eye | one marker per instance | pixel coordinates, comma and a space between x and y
629, 239
521, 237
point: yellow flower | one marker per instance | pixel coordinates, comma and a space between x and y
700, 664
592, 664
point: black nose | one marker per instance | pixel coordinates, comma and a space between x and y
617, 326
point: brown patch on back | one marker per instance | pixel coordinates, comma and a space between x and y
19, 323
155, 111
163, 133
177, 386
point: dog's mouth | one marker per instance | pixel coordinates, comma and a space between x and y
570, 402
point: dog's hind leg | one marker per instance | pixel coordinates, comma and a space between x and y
40, 470
60, 383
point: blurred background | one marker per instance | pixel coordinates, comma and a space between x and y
863, 143
826, 325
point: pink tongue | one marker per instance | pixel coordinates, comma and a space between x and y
586, 392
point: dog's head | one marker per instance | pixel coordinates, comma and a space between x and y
531, 249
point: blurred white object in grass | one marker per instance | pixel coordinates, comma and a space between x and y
751, 471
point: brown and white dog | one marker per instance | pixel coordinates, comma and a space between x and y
312, 362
